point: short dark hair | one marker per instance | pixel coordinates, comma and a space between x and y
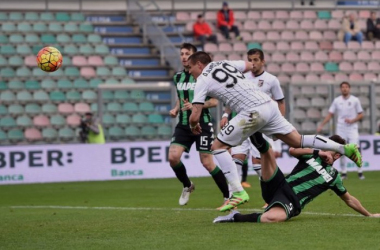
347, 83
256, 51
200, 16
200, 56
338, 139
89, 114
189, 46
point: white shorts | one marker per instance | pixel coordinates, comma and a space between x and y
265, 118
350, 135
243, 148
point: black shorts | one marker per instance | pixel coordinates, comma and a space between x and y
185, 138
277, 192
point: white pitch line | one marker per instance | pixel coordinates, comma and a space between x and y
170, 209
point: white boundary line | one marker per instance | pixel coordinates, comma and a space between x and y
163, 209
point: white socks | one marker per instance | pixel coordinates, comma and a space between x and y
257, 168
228, 166
239, 167
320, 142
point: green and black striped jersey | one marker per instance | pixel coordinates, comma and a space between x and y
311, 177
185, 84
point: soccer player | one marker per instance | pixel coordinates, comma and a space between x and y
287, 196
256, 111
268, 84
183, 139
349, 111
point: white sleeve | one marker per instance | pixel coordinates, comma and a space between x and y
200, 92
240, 65
332, 108
276, 90
358, 107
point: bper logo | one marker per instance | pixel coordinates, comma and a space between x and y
35, 158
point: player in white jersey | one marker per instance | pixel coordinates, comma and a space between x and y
270, 85
349, 111
225, 81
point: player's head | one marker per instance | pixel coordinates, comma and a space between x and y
197, 62
339, 140
200, 18
373, 15
256, 57
345, 88
187, 49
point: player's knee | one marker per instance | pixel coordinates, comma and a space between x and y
270, 217
174, 159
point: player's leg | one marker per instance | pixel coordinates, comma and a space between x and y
237, 130
239, 155
353, 137
218, 176
181, 142
284, 131
244, 173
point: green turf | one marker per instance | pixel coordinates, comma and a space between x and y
159, 223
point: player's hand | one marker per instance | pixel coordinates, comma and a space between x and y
223, 122
197, 130
173, 113
375, 215
319, 129
348, 121
326, 157
187, 105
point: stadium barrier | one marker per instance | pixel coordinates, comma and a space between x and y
123, 161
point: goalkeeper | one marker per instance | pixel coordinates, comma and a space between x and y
287, 196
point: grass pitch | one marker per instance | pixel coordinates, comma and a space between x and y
144, 214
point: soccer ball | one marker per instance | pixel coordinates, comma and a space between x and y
49, 59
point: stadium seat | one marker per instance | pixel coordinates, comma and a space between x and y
164, 131
70, 50
15, 135
7, 50
112, 81
62, 17
103, 71
70, 27
65, 108
81, 107
89, 95
80, 83
32, 109
116, 133
356, 77
3, 136
331, 67
49, 134
33, 134
73, 120
16, 85
7, 72
123, 119
312, 78
339, 77
57, 96
155, 118
48, 84
31, 16
296, 78
57, 120
8, 27
24, 121
253, 45
32, 85
119, 71
96, 60
128, 80
39, 27
121, 95
77, 17
49, 108
318, 102
108, 120
137, 94
130, 107
360, 66
111, 60
16, 38
64, 84
101, 49
15, 109
24, 96
23, 71
3, 110
107, 95
146, 107
307, 56
66, 134
7, 122
321, 56
7, 96
72, 71
73, 96
3, 61
322, 14
86, 49
148, 131
3, 85
132, 132
114, 107
94, 38
139, 119
349, 56
86, 27
47, 16
41, 121
345, 67
23, 49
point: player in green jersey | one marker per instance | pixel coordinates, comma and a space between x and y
183, 139
287, 196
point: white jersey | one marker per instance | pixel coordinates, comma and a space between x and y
267, 83
224, 81
346, 109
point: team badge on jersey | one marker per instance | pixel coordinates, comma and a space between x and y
261, 82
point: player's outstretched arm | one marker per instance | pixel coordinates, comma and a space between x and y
355, 204
326, 120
